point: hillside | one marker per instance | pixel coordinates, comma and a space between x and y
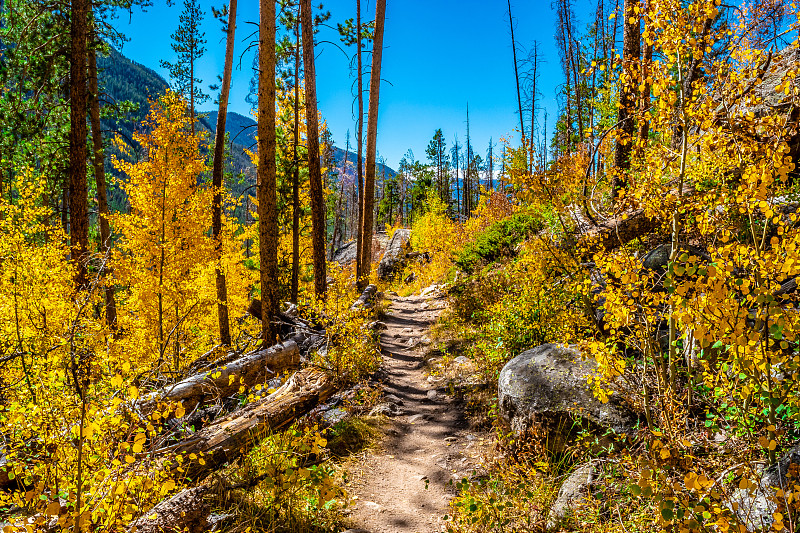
124, 80
242, 130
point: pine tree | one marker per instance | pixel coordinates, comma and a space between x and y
627, 98
312, 133
188, 43
437, 155
372, 137
267, 170
78, 198
219, 156
100, 178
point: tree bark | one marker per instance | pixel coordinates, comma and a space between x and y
627, 99
296, 167
78, 197
249, 370
187, 511
100, 179
267, 169
372, 137
318, 226
644, 108
219, 157
360, 149
236, 434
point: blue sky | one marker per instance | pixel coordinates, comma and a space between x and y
440, 55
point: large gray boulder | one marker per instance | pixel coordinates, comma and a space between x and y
756, 506
394, 257
346, 253
548, 386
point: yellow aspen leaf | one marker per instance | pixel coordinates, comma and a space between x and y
54, 509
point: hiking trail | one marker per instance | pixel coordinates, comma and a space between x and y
403, 485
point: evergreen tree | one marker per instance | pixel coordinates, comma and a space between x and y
372, 136
189, 44
219, 152
437, 155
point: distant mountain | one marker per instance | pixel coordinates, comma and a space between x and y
122, 79
242, 130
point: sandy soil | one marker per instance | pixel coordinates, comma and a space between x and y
406, 483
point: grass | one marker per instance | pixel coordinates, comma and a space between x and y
352, 436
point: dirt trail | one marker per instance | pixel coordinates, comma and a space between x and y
403, 486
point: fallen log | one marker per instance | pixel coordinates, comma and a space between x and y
227, 439
366, 296
230, 437
247, 371
616, 232
187, 511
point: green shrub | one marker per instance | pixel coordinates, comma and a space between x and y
497, 241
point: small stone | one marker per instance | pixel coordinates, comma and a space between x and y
429, 290
432, 394
391, 398
385, 409
372, 505
461, 360
450, 439
334, 416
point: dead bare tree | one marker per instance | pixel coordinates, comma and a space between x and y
372, 136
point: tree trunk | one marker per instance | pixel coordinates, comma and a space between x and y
267, 169
372, 137
219, 156
318, 226
100, 179
627, 99
360, 150
691, 75
187, 511
516, 74
78, 197
249, 370
647, 60
296, 168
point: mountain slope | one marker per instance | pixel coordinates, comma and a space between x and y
124, 80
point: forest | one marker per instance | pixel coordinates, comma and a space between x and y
219, 322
